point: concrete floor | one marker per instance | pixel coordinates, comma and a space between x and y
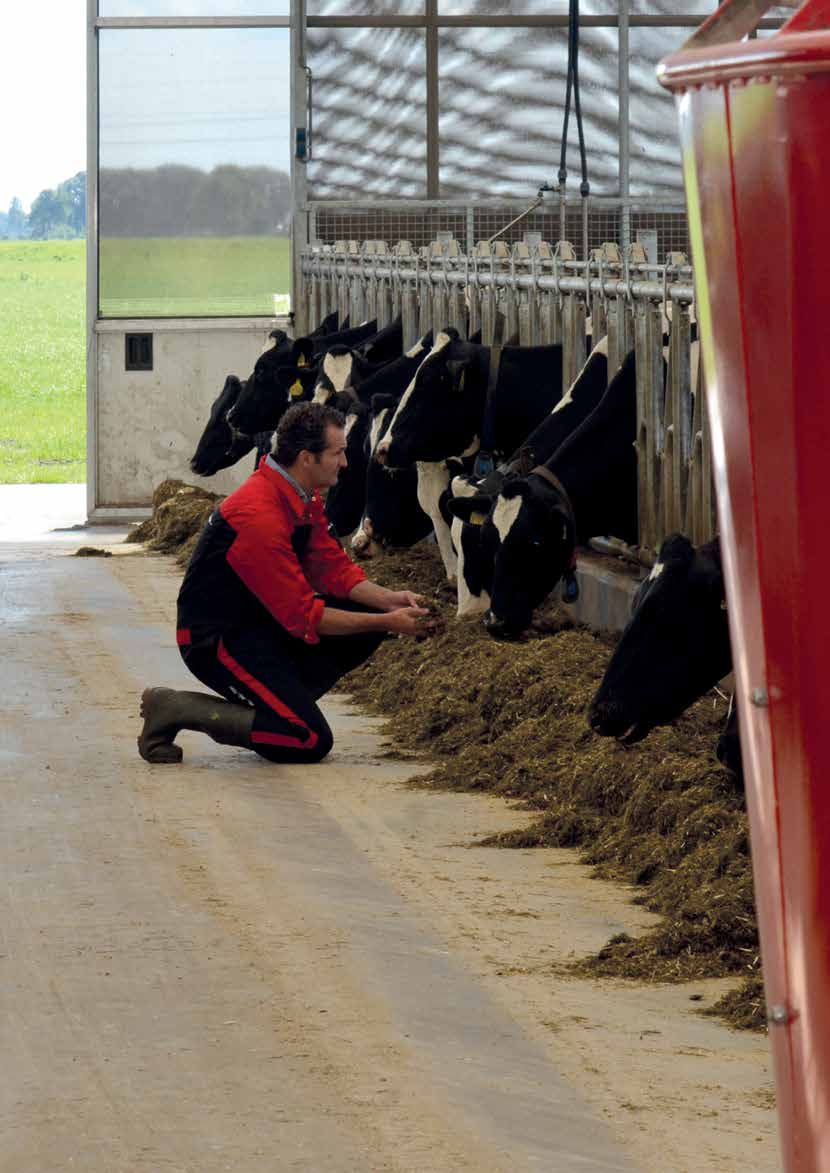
227, 965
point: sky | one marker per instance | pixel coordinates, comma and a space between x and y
42, 96
198, 98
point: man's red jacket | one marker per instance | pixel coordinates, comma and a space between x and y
263, 553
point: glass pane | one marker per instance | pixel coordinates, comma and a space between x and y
193, 7
502, 94
364, 7
194, 188
655, 150
369, 113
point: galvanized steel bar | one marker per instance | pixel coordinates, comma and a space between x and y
544, 295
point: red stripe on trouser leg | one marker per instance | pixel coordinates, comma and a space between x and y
282, 739
272, 701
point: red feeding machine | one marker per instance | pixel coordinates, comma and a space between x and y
755, 134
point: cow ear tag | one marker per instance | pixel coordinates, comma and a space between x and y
295, 391
301, 361
478, 518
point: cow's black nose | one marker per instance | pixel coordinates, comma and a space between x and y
498, 628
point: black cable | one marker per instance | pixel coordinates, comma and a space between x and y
572, 87
585, 187
563, 173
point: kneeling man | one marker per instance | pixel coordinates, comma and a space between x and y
272, 612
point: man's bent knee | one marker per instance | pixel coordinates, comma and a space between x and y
297, 754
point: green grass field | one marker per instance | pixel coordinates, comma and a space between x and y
42, 364
42, 332
193, 276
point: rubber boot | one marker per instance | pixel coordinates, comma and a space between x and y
166, 711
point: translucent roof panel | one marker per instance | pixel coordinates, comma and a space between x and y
502, 93
365, 7
655, 151
369, 134
524, 7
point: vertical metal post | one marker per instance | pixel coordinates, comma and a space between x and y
624, 133
92, 229
299, 195
431, 13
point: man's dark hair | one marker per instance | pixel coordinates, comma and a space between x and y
303, 428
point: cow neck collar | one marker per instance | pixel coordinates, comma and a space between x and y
541, 471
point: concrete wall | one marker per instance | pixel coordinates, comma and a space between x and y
144, 425
606, 591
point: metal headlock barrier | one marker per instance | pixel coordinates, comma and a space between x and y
543, 294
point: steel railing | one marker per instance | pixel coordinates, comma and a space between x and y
541, 293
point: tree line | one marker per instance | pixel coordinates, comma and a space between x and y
174, 200
170, 200
57, 213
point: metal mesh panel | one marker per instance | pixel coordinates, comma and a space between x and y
665, 231
471, 223
418, 225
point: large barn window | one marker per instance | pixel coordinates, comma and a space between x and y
193, 8
194, 191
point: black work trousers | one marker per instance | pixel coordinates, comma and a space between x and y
282, 678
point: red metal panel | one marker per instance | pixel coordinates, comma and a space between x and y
756, 157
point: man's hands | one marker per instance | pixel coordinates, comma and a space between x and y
401, 612
397, 599
407, 620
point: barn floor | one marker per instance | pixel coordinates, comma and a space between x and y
228, 965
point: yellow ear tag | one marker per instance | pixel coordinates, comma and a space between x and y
301, 361
461, 381
296, 389
478, 518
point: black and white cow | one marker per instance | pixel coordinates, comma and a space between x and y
219, 445
393, 513
474, 546
351, 337
346, 499
385, 345
527, 539
455, 398
674, 649
385, 502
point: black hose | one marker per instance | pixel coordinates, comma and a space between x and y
572, 87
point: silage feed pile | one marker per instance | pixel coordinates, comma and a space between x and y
510, 718
179, 512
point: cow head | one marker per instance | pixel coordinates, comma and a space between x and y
220, 445
260, 408
674, 648
436, 416
340, 369
475, 541
392, 515
530, 529
344, 501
